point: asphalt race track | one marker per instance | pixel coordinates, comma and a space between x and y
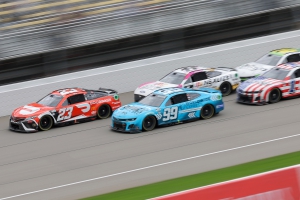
52, 164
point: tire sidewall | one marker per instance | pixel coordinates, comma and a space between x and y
279, 95
229, 88
212, 113
51, 120
109, 114
152, 127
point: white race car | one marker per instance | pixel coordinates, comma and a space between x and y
223, 78
267, 62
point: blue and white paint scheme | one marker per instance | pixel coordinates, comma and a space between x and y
167, 106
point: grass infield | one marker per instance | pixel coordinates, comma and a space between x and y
202, 179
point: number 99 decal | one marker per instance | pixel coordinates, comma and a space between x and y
170, 113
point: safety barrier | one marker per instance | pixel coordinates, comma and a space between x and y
281, 184
126, 77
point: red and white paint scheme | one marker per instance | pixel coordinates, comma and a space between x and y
222, 78
279, 82
281, 184
64, 106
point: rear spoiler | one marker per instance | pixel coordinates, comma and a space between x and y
228, 69
108, 91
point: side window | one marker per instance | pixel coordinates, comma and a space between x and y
192, 96
189, 80
179, 98
293, 58
65, 103
199, 76
169, 102
211, 74
296, 74
76, 98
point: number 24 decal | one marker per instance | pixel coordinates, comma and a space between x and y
170, 113
62, 112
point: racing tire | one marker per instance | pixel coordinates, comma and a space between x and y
225, 89
207, 111
149, 123
45, 123
104, 111
274, 95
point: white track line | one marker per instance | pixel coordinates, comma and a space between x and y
152, 166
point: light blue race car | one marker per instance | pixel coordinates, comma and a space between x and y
167, 106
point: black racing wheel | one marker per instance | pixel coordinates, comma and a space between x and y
149, 123
274, 95
104, 111
225, 88
46, 123
207, 111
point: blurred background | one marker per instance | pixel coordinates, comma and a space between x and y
40, 38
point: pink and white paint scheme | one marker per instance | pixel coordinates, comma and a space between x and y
222, 78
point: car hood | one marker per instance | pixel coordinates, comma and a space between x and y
257, 84
148, 88
30, 110
132, 110
252, 69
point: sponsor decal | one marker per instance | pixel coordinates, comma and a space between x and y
93, 112
198, 84
216, 97
116, 97
99, 101
67, 91
192, 115
27, 110
142, 91
220, 106
158, 116
216, 80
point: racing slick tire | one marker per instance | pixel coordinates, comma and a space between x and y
104, 111
274, 95
149, 123
45, 123
207, 111
225, 89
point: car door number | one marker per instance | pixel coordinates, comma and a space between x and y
170, 113
62, 112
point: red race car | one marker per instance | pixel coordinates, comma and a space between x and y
65, 106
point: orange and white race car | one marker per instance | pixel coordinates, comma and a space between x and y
65, 106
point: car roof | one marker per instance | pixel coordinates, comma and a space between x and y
284, 51
189, 69
168, 91
289, 66
68, 91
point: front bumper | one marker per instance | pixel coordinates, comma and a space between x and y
250, 99
126, 127
23, 126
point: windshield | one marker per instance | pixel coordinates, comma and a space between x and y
276, 73
153, 100
173, 78
50, 100
269, 59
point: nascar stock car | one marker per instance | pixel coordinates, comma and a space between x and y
64, 106
279, 82
167, 106
267, 62
222, 78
